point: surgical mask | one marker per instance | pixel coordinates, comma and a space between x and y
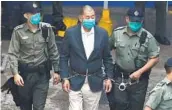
135, 26
88, 23
35, 19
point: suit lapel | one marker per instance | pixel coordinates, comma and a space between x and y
96, 42
79, 41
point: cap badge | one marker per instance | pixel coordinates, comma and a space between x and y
136, 13
35, 5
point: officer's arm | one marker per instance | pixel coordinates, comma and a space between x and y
13, 52
64, 56
107, 58
53, 51
147, 108
153, 54
154, 98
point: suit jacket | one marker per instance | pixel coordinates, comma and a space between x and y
73, 58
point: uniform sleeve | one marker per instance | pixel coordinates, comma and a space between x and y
155, 98
153, 48
13, 52
112, 42
53, 51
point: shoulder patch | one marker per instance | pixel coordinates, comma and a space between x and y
158, 87
119, 28
18, 27
160, 84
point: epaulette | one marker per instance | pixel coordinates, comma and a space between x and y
158, 87
42, 24
18, 27
119, 28
160, 84
149, 35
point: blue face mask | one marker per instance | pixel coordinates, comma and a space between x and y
135, 26
88, 23
35, 19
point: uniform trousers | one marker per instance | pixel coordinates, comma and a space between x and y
130, 99
34, 92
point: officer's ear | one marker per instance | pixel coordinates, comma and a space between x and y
127, 19
25, 15
80, 18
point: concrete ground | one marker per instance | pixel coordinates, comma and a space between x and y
57, 99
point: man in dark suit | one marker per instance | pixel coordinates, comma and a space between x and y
85, 50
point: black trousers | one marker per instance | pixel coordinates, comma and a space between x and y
35, 90
131, 99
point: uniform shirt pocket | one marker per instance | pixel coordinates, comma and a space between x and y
168, 97
137, 49
25, 40
120, 48
41, 39
26, 44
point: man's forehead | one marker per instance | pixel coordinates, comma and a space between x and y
89, 12
30, 13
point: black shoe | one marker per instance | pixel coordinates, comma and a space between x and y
162, 40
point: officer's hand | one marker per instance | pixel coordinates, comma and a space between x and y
18, 80
66, 85
107, 85
56, 78
136, 75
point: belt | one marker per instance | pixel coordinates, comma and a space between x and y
118, 70
25, 67
123, 83
123, 76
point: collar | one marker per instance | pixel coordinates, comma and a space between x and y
89, 33
125, 31
26, 27
167, 81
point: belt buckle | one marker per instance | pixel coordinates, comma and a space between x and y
132, 82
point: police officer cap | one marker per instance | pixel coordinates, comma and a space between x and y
135, 14
31, 7
169, 62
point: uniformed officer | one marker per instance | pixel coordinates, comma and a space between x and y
161, 15
136, 53
29, 53
12, 16
161, 96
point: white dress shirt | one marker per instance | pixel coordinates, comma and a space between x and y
88, 41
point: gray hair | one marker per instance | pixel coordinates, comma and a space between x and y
86, 7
